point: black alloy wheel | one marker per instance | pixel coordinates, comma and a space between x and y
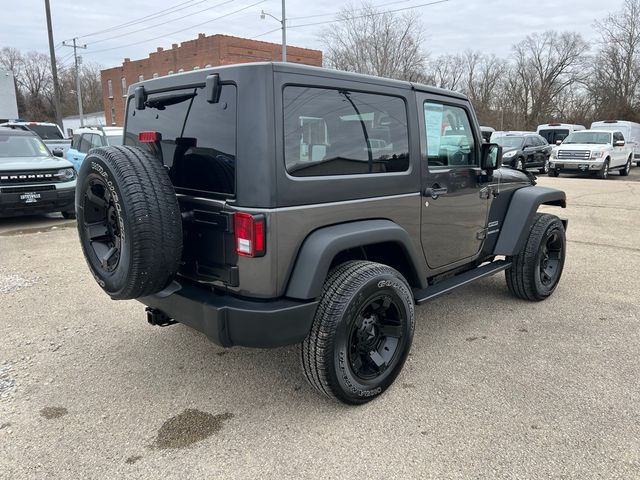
376, 337
551, 254
102, 224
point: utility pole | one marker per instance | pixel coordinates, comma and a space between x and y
283, 22
54, 67
77, 60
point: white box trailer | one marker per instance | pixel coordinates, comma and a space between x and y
630, 131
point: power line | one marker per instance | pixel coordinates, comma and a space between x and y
181, 30
368, 14
135, 21
267, 33
162, 23
334, 13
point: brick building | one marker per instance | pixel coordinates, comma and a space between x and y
204, 51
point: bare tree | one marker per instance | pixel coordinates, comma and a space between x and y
483, 84
34, 85
615, 81
546, 65
446, 71
367, 40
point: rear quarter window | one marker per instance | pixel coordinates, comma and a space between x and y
339, 132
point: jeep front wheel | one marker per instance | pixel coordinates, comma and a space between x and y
361, 334
535, 272
129, 221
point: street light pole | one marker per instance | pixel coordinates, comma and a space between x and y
75, 46
283, 24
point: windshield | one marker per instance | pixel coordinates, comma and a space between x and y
47, 132
22, 146
552, 135
509, 142
114, 139
588, 137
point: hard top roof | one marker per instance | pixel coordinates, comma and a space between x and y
196, 76
16, 132
597, 130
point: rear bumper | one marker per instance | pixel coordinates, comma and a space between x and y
36, 202
230, 321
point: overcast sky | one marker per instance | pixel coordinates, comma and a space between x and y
454, 26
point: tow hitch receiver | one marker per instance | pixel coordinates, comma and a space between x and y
158, 318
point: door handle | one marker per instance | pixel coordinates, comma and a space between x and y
435, 191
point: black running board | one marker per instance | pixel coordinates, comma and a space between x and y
422, 295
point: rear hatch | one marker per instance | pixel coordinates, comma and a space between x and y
196, 141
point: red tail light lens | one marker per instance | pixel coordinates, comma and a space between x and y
149, 137
249, 232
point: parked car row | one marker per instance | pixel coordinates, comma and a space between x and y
609, 145
34, 178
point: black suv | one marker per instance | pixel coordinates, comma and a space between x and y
524, 150
269, 204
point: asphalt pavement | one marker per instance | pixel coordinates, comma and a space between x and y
495, 387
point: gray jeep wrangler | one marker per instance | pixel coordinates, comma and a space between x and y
269, 204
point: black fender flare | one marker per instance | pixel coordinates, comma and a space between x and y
321, 246
522, 208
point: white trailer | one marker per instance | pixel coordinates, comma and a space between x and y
630, 130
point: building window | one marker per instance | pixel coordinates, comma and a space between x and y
155, 75
110, 87
124, 86
170, 72
113, 116
140, 78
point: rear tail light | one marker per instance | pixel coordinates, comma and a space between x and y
249, 233
149, 137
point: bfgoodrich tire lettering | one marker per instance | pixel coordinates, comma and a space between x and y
361, 334
129, 221
535, 272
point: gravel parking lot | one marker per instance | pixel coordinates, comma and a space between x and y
494, 388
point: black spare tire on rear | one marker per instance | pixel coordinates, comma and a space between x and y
129, 221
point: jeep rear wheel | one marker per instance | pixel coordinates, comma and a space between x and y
129, 221
535, 272
361, 334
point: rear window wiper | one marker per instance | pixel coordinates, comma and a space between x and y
160, 102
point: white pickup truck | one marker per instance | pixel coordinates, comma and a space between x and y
592, 151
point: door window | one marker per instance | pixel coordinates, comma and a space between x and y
96, 141
450, 140
617, 137
85, 143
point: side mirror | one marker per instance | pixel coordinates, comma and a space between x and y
619, 143
558, 142
491, 156
57, 152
